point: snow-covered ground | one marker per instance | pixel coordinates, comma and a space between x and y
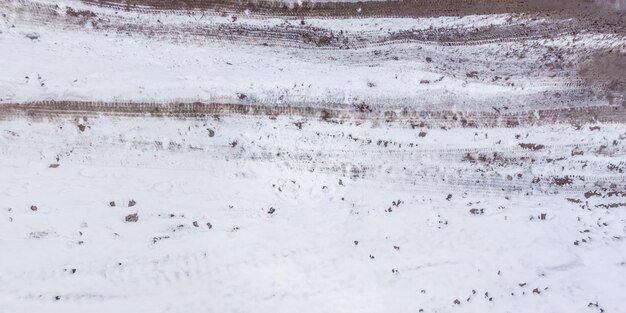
308, 217
332, 165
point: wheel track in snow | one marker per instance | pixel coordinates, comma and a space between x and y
526, 32
133, 271
330, 113
411, 8
471, 169
301, 36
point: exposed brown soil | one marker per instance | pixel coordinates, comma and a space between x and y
608, 67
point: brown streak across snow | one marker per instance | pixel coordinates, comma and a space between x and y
445, 119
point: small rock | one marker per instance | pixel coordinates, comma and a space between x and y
131, 203
112, 203
195, 224
53, 165
472, 74
271, 211
32, 36
209, 225
132, 218
38, 234
81, 127
477, 211
577, 151
33, 208
456, 301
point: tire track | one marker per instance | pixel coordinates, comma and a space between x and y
412, 8
524, 35
509, 168
298, 35
358, 113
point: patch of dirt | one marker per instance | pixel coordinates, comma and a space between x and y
611, 205
79, 13
562, 181
606, 68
